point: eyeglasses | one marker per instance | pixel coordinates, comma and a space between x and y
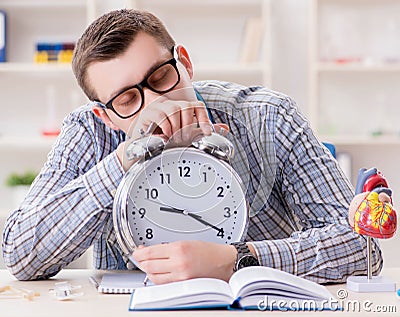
129, 101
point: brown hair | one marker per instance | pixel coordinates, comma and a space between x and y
110, 36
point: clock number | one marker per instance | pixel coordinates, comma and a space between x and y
142, 212
205, 177
151, 193
227, 213
220, 190
166, 178
184, 171
149, 233
220, 232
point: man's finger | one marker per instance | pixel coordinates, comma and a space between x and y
187, 119
153, 252
221, 128
159, 266
202, 119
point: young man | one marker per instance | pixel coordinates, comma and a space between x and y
124, 62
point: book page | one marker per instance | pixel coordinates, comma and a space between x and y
248, 279
194, 292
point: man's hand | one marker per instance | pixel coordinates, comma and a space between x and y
120, 151
183, 136
177, 121
174, 118
183, 260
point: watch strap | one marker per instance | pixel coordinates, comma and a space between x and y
244, 256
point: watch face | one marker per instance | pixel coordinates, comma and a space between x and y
247, 260
182, 194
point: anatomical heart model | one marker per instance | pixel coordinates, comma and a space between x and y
372, 215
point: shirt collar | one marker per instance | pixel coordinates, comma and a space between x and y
200, 98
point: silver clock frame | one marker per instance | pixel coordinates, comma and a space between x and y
143, 151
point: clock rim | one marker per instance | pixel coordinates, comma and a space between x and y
120, 221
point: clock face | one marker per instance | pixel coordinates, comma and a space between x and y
184, 194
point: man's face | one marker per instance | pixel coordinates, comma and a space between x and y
108, 78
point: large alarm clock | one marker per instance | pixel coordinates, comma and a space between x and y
179, 193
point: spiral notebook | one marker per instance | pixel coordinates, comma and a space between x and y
121, 282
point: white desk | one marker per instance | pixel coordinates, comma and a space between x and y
109, 305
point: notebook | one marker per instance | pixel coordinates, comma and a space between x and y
121, 282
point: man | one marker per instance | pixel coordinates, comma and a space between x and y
124, 62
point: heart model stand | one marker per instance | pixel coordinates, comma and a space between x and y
372, 218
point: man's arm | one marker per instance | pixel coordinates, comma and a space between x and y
301, 228
329, 254
312, 190
68, 204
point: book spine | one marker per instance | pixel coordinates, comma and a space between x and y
3, 42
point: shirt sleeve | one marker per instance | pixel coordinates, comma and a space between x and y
312, 191
67, 206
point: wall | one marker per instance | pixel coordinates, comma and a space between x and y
290, 49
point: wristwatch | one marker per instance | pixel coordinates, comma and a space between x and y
244, 256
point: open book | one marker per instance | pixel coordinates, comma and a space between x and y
256, 287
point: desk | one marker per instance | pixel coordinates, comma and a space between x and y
109, 305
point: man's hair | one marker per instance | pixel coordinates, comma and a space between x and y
109, 36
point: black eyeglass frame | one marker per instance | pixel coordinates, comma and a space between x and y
144, 84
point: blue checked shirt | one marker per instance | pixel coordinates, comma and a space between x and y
299, 224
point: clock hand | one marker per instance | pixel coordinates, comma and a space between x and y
170, 209
164, 207
194, 216
204, 222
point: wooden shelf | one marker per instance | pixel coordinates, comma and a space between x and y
35, 68
362, 140
195, 3
42, 4
356, 83
234, 69
356, 67
21, 69
229, 69
29, 143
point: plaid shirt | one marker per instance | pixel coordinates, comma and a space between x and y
298, 224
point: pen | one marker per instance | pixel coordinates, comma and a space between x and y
146, 279
94, 282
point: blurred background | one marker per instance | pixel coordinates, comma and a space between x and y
340, 61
